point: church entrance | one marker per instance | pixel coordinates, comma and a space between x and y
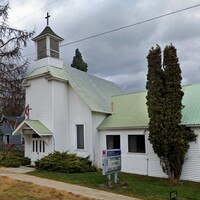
38, 147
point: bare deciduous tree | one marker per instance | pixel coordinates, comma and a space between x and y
13, 66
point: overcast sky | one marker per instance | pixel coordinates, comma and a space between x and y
119, 56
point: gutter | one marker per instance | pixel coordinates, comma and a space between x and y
122, 128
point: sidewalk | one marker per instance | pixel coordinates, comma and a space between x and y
19, 174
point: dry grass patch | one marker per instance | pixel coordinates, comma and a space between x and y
16, 190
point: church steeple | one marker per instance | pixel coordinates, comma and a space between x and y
47, 47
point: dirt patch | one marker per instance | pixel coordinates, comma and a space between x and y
16, 190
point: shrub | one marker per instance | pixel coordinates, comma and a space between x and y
65, 162
15, 160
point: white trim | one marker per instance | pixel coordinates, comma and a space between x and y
25, 122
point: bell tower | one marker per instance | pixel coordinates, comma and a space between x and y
48, 48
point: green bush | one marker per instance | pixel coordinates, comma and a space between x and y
14, 160
65, 162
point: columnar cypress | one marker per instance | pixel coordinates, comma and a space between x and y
169, 139
155, 79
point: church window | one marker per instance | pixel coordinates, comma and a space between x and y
33, 146
38, 145
41, 48
43, 146
80, 136
54, 48
113, 141
136, 143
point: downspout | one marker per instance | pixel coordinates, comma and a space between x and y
52, 117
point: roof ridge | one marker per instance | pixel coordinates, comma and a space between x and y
88, 74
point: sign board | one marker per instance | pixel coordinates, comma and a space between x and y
173, 195
111, 161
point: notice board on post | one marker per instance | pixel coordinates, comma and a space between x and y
111, 161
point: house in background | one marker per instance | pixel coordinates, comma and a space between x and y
7, 140
6, 130
74, 111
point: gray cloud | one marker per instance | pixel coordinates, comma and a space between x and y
119, 56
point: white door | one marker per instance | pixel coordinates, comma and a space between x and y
38, 148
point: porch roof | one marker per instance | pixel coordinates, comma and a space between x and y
35, 125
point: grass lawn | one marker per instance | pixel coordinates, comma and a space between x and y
143, 187
18, 190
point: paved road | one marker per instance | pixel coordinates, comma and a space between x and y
19, 174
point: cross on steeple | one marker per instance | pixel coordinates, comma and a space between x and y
47, 17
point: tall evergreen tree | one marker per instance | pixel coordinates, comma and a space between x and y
78, 62
168, 137
12, 66
178, 136
155, 79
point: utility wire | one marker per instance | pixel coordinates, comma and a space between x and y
34, 12
128, 26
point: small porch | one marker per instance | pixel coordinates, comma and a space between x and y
38, 139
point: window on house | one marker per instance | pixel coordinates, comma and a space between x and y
113, 141
1, 138
80, 136
54, 46
136, 143
41, 48
6, 139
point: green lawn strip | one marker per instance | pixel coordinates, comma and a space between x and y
139, 186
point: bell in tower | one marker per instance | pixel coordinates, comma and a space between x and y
48, 48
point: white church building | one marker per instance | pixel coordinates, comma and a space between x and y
77, 112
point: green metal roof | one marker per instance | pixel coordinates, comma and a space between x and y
130, 111
38, 127
191, 103
95, 92
47, 31
35, 125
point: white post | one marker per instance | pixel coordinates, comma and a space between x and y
115, 178
109, 179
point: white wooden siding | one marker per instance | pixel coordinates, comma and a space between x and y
191, 167
79, 113
60, 116
39, 98
97, 118
148, 163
